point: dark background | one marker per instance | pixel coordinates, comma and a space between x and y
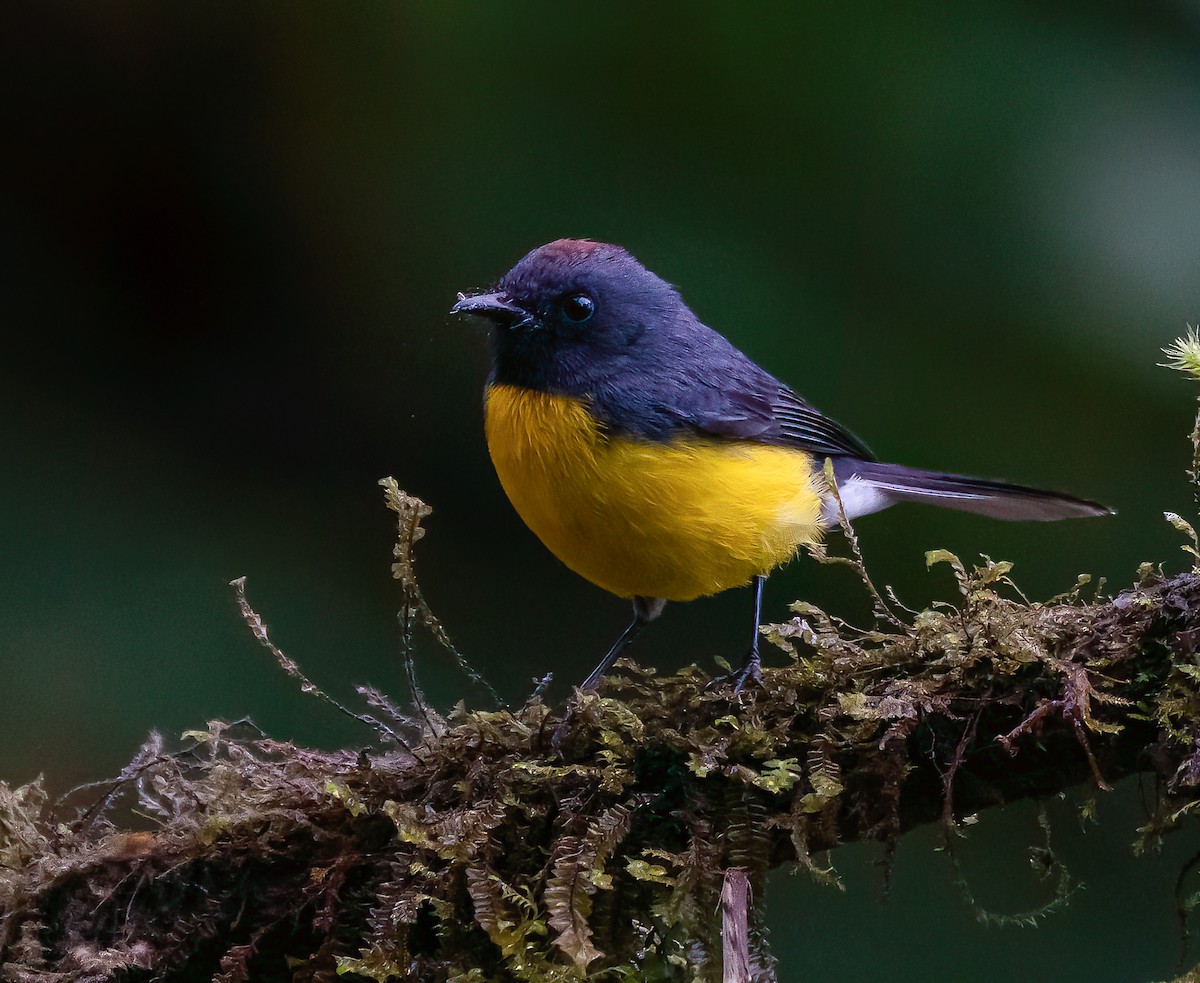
231, 237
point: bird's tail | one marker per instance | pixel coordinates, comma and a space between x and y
868, 486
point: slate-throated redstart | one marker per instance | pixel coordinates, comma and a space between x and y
655, 459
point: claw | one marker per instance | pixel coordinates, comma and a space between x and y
751, 670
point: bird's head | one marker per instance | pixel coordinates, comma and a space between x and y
570, 311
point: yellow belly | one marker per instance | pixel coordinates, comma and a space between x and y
638, 517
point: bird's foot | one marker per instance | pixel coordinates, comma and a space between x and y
751, 671
570, 712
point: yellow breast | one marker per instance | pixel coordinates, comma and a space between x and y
637, 517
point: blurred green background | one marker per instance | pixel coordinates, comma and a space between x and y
231, 236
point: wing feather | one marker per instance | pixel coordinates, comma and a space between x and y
774, 414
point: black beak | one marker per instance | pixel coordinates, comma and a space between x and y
495, 307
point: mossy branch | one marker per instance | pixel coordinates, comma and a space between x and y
473, 848
478, 852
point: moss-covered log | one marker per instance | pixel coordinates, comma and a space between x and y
479, 847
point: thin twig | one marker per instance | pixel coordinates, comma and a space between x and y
735, 926
288, 665
1182, 908
1045, 858
960, 752
410, 511
879, 605
540, 687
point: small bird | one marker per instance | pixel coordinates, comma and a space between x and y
659, 462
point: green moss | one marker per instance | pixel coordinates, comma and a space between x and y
475, 850
482, 846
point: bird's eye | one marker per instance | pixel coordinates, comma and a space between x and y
577, 308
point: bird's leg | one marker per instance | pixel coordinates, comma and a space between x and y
752, 665
632, 630
645, 610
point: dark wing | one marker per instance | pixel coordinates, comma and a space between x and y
801, 424
774, 414
688, 377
